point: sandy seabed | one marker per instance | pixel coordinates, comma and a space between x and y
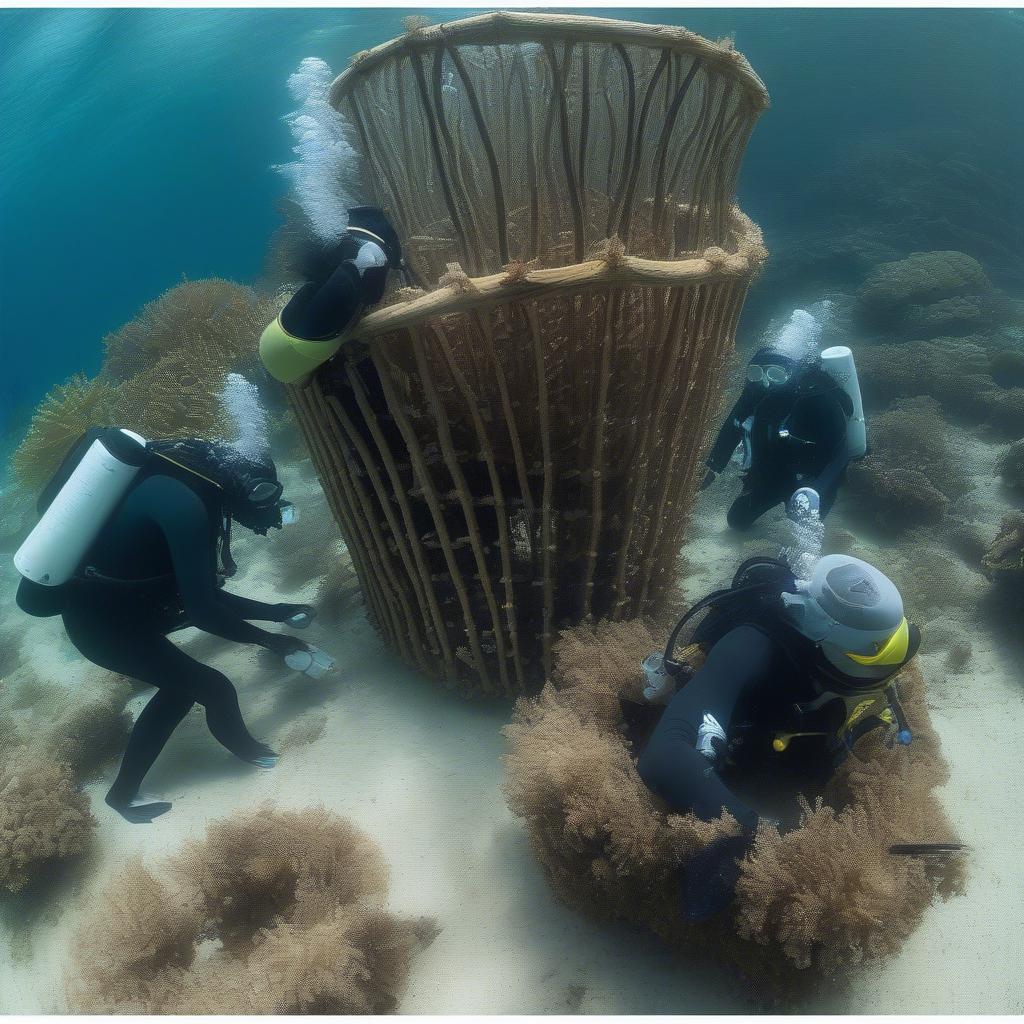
420, 771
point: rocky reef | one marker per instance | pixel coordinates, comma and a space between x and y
926, 295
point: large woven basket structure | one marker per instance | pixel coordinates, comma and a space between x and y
513, 445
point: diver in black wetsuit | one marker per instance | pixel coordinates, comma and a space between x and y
795, 673
793, 419
344, 279
153, 569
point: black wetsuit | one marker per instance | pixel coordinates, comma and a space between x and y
165, 533
814, 410
754, 674
325, 306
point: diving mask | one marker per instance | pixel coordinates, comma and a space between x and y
264, 493
767, 375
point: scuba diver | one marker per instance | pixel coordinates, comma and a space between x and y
800, 421
133, 543
795, 673
344, 279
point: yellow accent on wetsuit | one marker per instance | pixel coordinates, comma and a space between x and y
288, 358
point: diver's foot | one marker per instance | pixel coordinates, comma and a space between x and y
140, 810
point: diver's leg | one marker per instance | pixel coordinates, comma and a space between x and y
750, 506
109, 636
183, 675
672, 768
153, 728
323, 309
828, 499
120, 643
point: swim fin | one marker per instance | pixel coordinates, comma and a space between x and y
140, 810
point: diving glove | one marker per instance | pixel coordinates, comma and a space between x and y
301, 617
310, 661
660, 687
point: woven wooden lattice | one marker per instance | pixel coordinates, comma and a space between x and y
514, 445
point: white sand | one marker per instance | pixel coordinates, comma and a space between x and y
420, 770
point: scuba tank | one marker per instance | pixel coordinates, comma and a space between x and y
81, 506
838, 363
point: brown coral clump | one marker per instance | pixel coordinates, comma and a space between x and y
293, 865
62, 417
179, 396
818, 900
92, 733
43, 817
211, 321
175, 395
293, 902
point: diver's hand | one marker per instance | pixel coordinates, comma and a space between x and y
709, 478
297, 616
803, 502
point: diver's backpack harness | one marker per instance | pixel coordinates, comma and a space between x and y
865, 708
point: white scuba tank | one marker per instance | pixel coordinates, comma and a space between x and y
838, 363
53, 550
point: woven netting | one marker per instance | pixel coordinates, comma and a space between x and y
511, 446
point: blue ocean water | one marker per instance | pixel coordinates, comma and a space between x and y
137, 144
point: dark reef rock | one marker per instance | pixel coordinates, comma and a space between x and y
889, 197
1007, 367
911, 472
959, 373
926, 295
1011, 466
1004, 559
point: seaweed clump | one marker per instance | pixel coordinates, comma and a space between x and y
814, 902
92, 733
293, 904
210, 321
162, 375
62, 417
44, 818
49, 745
911, 473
